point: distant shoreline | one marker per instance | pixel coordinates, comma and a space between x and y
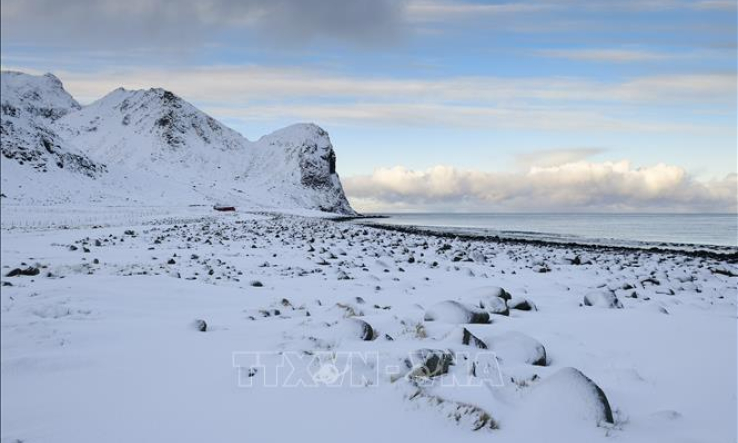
730, 255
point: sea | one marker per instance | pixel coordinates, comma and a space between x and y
712, 230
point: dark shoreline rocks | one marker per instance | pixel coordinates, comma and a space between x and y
730, 257
29, 272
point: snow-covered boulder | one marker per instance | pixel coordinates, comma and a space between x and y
490, 291
602, 298
492, 299
463, 414
200, 325
516, 347
356, 328
521, 304
568, 399
427, 363
451, 311
494, 305
461, 335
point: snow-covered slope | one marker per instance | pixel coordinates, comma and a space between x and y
157, 148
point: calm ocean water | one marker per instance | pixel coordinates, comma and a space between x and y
695, 229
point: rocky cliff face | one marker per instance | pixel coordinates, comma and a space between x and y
307, 149
153, 137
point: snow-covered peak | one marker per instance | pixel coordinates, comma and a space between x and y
297, 134
41, 96
123, 99
163, 113
30, 143
137, 127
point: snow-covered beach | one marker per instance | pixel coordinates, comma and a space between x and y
144, 324
132, 310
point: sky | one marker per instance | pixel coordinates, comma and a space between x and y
434, 105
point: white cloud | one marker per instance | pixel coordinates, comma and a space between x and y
581, 186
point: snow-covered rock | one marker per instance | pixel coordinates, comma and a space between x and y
491, 291
521, 304
356, 328
568, 398
461, 335
602, 298
463, 414
492, 299
425, 363
450, 311
516, 347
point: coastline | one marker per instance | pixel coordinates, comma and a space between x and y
723, 253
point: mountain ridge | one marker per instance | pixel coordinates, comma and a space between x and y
150, 146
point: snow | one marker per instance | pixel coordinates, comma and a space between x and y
102, 345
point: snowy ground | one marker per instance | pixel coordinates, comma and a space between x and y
103, 344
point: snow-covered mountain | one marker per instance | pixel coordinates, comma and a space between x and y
152, 129
30, 106
153, 147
